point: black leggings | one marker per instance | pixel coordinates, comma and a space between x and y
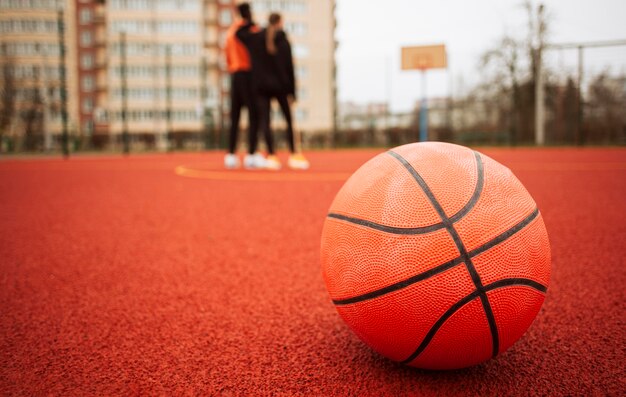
264, 107
242, 93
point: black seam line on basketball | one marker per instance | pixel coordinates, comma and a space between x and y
480, 183
505, 235
433, 330
401, 284
388, 229
441, 268
516, 281
491, 320
510, 282
460, 246
425, 229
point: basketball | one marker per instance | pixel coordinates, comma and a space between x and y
435, 256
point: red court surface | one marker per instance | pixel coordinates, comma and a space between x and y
135, 276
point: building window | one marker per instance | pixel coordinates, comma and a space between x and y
301, 114
300, 51
303, 94
302, 72
145, 27
85, 16
28, 26
226, 17
87, 105
221, 40
297, 28
100, 115
88, 127
29, 4
292, 6
182, 5
86, 61
85, 39
87, 83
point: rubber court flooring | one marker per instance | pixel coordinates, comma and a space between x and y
165, 275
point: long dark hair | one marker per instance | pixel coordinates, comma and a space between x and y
273, 20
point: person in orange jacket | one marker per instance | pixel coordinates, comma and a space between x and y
242, 93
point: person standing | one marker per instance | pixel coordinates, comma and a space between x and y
273, 72
242, 93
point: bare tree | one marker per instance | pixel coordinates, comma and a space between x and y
537, 34
503, 62
509, 77
32, 117
563, 101
8, 94
606, 120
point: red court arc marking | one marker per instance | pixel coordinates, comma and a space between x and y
191, 171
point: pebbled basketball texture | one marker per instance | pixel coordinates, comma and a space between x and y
435, 256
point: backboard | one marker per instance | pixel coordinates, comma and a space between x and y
424, 57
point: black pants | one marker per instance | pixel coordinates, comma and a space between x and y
242, 94
264, 105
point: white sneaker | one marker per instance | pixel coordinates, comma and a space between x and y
298, 162
254, 161
231, 161
272, 163
248, 161
259, 160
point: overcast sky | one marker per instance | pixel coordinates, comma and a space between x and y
371, 33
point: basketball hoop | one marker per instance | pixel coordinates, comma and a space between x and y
424, 57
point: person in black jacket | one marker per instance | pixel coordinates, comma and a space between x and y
273, 72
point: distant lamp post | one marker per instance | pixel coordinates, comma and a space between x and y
540, 134
124, 88
204, 95
209, 103
62, 68
168, 95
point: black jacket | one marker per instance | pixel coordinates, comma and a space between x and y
273, 74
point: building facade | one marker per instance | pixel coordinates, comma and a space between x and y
154, 69
90, 44
30, 73
161, 60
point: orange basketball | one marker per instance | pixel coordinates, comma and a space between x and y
436, 256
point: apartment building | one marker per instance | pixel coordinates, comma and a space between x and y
162, 61
195, 31
165, 55
30, 78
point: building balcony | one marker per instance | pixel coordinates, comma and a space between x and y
100, 42
102, 87
99, 16
101, 64
212, 66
